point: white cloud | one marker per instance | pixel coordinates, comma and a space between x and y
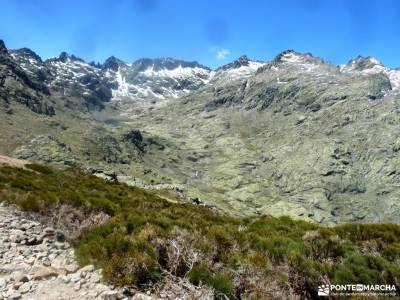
221, 54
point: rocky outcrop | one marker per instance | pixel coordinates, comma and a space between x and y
112, 63
136, 138
17, 85
241, 61
3, 48
73, 78
47, 148
37, 263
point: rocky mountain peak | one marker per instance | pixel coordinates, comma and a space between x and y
304, 61
96, 64
150, 80
361, 63
27, 53
112, 63
239, 69
285, 54
3, 48
240, 62
294, 56
243, 59
168, 63
64, 57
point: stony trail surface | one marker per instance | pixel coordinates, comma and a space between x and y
37, 263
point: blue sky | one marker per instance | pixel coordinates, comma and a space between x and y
211, 32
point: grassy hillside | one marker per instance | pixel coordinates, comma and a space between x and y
148, 237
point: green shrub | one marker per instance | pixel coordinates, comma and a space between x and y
134, 267
223, 284
30, 203
104, 205
40, 168
309, 268
22, 184
200, 274
392, 252
223, 241
278, 248
361, 268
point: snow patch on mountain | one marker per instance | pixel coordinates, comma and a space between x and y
72, 71
370, 65
155, 82
29, 61
306, 62
244, 71
240, 69
123, 87
179, 72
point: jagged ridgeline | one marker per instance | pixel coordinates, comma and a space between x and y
294, 136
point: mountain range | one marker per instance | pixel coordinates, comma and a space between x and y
294, 136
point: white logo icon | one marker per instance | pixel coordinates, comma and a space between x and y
323, 290
359, 287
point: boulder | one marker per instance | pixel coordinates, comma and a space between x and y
14, 296
25, 288
109, 295
42, 272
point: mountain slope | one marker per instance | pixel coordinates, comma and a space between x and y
300, 137
295, 135
17, 84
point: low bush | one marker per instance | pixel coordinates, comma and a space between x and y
40, 168
200, 274
222, 283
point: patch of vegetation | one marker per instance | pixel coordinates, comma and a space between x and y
40, 168
148, 237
